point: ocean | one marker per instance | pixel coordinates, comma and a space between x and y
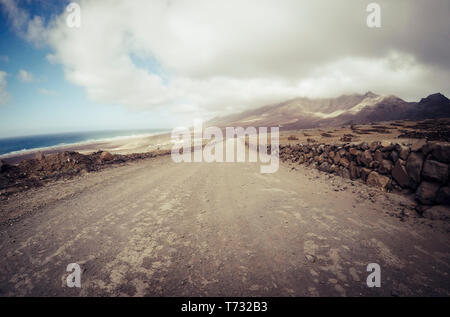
16, 145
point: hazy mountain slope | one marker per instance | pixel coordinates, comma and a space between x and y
301, 113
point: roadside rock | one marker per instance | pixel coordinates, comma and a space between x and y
378, 156
366, 158
376, 180
426, 193
354, 152
353, 170
337, 158
437, 213
403, 151
443, 196
106, 157
414, 167
345, 173
435, 171
374, 146
394, 156
363, 146
324, 167
441, 152
311, 258
365, 173
385, 167
417, 145
427, 148
400, 175
344, 162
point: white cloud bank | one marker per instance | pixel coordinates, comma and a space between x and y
212, 57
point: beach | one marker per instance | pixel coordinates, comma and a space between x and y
124, 145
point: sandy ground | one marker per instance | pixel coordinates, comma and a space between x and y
157, 228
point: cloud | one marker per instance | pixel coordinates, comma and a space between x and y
47, 92
214, 57
24, 76
4, 95
31, 29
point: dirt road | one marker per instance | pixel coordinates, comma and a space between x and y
156, 228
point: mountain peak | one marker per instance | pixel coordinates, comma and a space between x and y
437, 97
370, 94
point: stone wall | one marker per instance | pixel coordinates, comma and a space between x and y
421, 168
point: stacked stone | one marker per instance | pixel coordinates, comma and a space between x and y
422, 168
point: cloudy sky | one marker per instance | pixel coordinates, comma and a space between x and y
156, 64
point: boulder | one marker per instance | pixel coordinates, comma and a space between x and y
426, 193
435, 171
354, 151
106, 157
414, 167
403, 151
366, 158
385, 167
337, 158
374, 145
400, 175
324, 167
418, 144
332, 169
441, 152
353, 170
437, 213
363, 146
2, 165
365, 173
319, 159
387, 146
344, 162
394, 156
345, 173
376, 180
378, 156
427, 148
443, 196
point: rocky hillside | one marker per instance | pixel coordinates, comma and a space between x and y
30, 173
304, 113
422, 168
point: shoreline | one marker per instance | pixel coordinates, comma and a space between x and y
122, 145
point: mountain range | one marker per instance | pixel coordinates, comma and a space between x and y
304, 113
